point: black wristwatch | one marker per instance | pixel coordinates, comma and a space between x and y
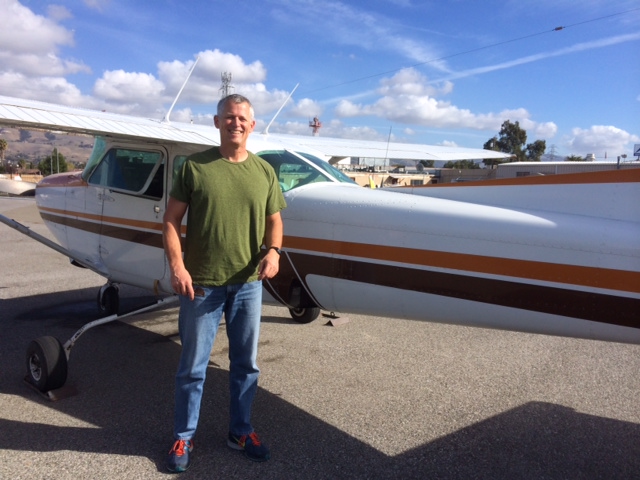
276, 249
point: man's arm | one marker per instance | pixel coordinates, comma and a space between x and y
171, 225
274, 232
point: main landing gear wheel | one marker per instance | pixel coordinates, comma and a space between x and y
46, 364
304, 315
109, 299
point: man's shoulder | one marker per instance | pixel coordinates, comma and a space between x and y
262, 162
207, 155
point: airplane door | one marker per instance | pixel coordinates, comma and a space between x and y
130, 186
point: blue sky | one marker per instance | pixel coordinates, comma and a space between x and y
439, 72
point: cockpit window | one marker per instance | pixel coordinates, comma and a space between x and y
294, 171
132, 171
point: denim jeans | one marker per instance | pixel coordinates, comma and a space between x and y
198, 322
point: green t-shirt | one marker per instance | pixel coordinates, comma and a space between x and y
228, 204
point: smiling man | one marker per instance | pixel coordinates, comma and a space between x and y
233, 201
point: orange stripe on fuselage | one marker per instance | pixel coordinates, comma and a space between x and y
621, 280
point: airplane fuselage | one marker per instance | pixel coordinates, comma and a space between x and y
495, 262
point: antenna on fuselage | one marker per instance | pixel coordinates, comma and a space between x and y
166, 117
266, 130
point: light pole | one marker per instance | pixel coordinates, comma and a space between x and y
623, 156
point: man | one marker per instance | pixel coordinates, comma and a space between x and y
233, 200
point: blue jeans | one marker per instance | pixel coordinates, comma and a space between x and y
198, 322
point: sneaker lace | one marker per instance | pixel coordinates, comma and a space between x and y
254, 439
178, 447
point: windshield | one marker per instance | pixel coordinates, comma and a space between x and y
295, 169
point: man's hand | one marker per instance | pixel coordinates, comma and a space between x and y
269, 265
181, 283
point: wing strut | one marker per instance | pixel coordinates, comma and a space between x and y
45, 241
166, 117
266, 130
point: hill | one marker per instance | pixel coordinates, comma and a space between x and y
33, 146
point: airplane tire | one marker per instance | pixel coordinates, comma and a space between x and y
109, 300
46, 364
304, 315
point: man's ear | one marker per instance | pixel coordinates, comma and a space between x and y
215, 122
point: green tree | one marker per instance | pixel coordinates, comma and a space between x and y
462, 164
427, 163
535, 150
574, 158
56, 160
512, 139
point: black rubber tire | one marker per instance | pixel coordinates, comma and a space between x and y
46, 364
304, 315
109, 300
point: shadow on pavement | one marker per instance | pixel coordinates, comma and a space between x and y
124, 376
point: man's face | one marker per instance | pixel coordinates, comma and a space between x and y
235, 124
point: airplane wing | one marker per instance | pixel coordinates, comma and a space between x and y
31, 114
339, 148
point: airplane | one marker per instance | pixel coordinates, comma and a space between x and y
15, 187
554, 255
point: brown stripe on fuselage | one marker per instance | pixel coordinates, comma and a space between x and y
610, 309
133, 234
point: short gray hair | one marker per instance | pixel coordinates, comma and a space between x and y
235, 98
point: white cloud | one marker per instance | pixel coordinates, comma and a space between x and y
25, 32
599, 139
206, 78
203, 87
306, 108
409, 81
29, 45
409, 98
45, 89
125, 87
31, 64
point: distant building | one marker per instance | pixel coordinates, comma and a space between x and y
525, 169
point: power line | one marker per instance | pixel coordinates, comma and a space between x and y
545, 32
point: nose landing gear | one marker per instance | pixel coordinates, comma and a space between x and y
47, 358
46, 364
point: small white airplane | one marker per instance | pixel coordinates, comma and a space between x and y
555, 255
15, 187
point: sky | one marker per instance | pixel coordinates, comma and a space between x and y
436, 72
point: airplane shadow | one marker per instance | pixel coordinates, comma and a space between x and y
125, 407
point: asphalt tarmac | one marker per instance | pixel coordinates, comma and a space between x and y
373, 398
